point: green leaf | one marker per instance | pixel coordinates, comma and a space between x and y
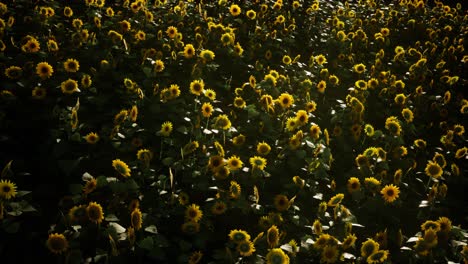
147, 243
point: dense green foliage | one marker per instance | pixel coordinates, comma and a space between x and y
225, 132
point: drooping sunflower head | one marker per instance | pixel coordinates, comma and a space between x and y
335, 200
234, 190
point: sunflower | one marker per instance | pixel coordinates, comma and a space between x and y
120, 117
369, 247
69, 86
207, 55
223, 122
77, 213
330, 254
158, 66
317, 227
321, 86
258, 162
245, 248
171, 32
234, 163
359, 68
195, 257
238, 140
315, 131
235, 10
320, 59
166, 129
44, 70
57, 243
281, 202
189, 51
94, 212
378, 256
71, 65
277, 256
7, 189
390, 193
263, 148
136, 219
311, 106
349, 241
234, 190
196, 87
361, 85
433, 169
429, 224
190, 227
86, 81
238, 236
430, 237
392, 124
461, 152
273, 236
31, 45
90, 186
285, 100
353, 184
239, 102
121, 167
218, 208
92, 138
210, 94
362, 161
251, 14
445, 224
13, 72
335, 200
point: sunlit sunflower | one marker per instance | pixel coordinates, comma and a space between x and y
121, 167
7, 189
238, 235
189, 51
258, 162
433, 169
320, 59
32, 45
234, 163
218, 208
321, 86
369, 247
57, 243
166, 128
407, 115
94, 212
207, 55
359, 68
172, 32
223, 122
196, 87
136, 219
263, 148
335, 200
390, 193
207, 109
353, 184
378, 256
273, 236
311, 106
158, 66
392, 124
281, 202
92, 138
44, 70
195, 257
285, 100
69, 86
277, 256
239, 102
71, 65
210, 94
234, 190
245, 248
235, 10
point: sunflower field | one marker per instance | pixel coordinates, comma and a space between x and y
255, 131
